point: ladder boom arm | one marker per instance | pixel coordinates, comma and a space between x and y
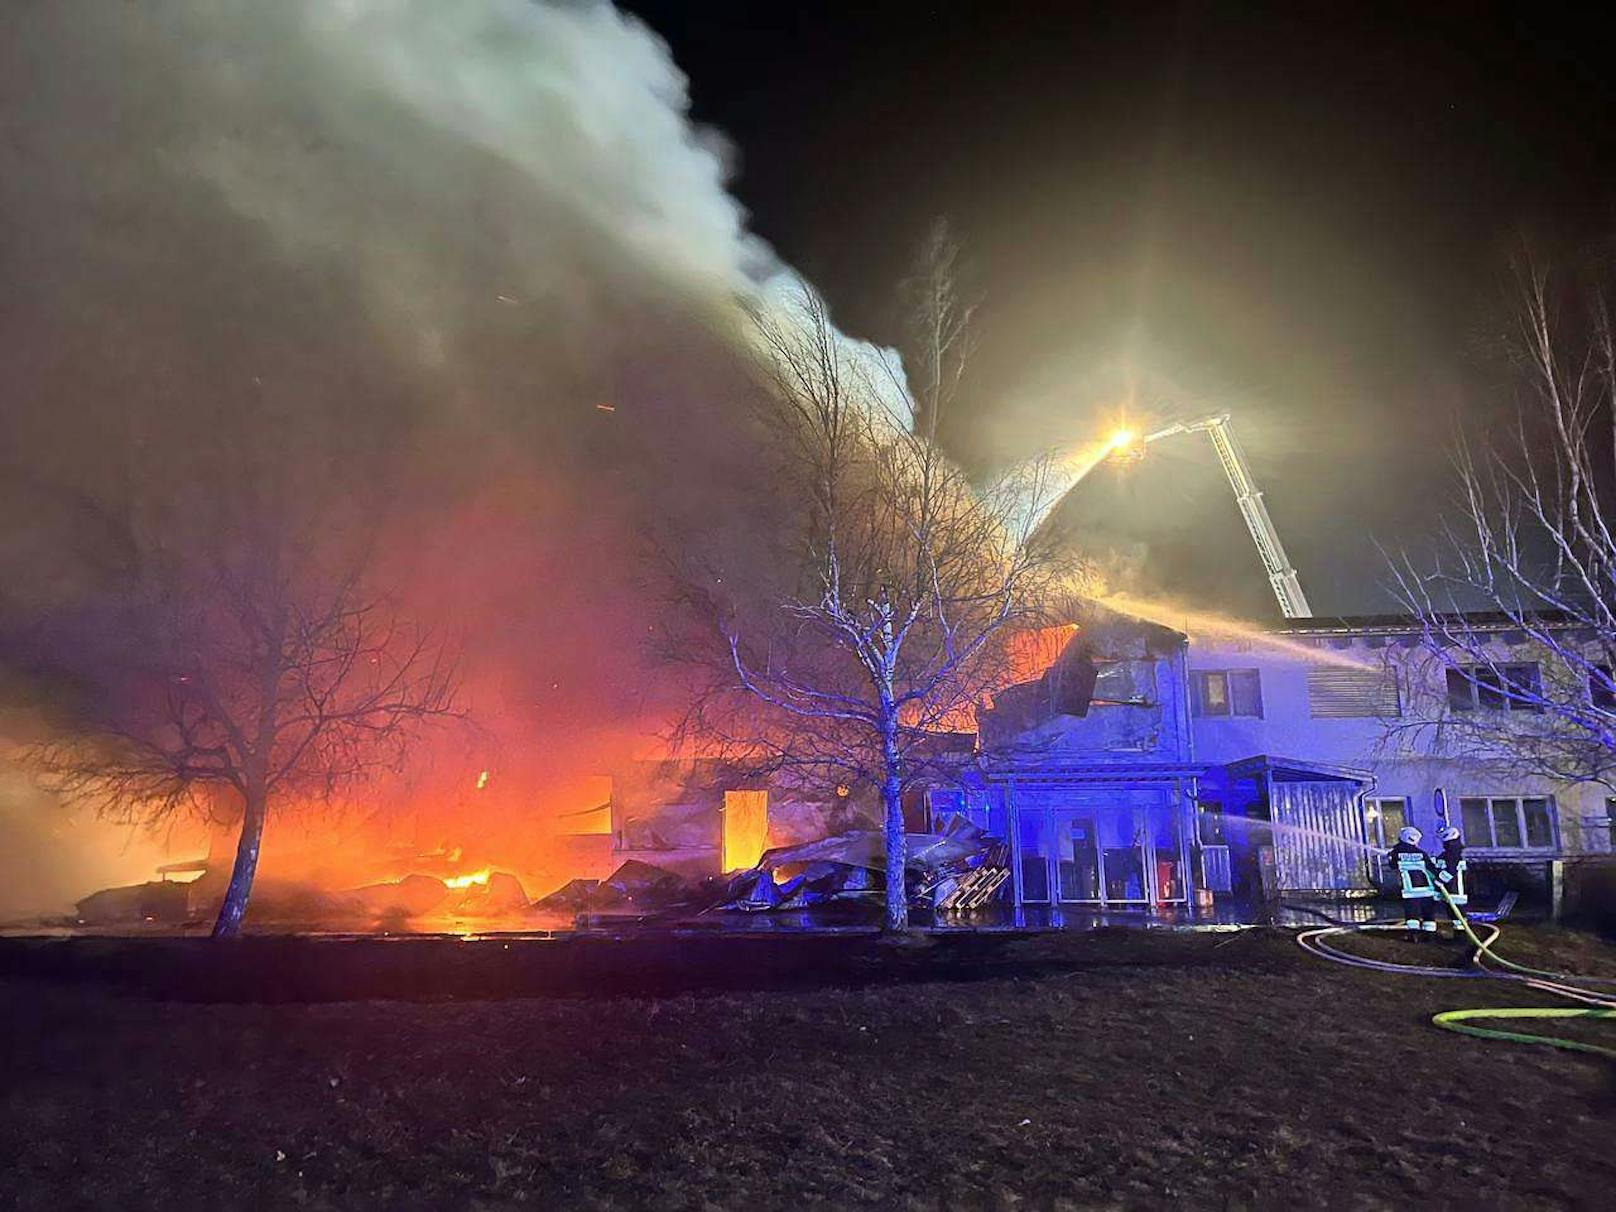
1293, 603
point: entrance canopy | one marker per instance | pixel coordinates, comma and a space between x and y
1294, 770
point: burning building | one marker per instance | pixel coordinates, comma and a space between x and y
1224, 768
1091, 773
702, 817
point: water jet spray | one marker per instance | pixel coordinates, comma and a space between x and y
1125, 445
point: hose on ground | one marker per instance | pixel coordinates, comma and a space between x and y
1558, 984
1458, 1020
1485, 949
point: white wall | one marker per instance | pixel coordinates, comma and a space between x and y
1409, 770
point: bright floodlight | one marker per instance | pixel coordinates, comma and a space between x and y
1125, 446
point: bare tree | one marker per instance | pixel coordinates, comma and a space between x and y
904, 575
231, 658
1517, 609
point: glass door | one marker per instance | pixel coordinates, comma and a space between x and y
1167, 856
1080, 876
1122, 850
1033, 836
1122, 847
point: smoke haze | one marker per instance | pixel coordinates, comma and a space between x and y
481, 244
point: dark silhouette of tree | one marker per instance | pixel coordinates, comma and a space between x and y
225, 648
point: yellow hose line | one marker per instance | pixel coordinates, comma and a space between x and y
1485, 948
1458, 1020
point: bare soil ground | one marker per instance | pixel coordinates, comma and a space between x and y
1111, 1069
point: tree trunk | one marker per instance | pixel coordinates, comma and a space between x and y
897, 916
234, 908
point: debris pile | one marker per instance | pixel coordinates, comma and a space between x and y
490, 894
852, 866
574, 894
955, 870
412, 896
978, 887
156, 901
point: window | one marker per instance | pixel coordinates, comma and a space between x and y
1209, 821
1507, 823
1539, 824
1602, 688
1494, 687
1384, 820
1231, 692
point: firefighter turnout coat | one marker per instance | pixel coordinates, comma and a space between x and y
1414, 871
1450, 870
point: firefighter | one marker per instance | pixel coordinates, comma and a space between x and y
1450, 867
1416, 878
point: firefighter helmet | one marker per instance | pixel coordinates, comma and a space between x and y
1409, 834
1450, 834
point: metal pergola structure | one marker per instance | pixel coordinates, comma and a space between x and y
1175, 782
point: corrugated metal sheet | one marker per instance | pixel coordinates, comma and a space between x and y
1318, 832
1337, 693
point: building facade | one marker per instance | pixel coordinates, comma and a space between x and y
1359, 693
1244, 767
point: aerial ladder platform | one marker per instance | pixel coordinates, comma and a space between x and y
1282, 577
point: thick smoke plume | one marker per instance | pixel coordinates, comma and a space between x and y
483, 244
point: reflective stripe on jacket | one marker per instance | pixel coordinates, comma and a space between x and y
1413, 870
1450, 869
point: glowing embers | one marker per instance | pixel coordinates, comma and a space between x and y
475, 894
745, 828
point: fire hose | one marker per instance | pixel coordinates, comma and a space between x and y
1595, 1005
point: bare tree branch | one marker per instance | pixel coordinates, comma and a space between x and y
1517, 608
906, 573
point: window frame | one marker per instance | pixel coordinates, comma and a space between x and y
1200, 678
1517, 807
1374, 813
1477, 683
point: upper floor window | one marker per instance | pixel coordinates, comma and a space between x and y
1602, 688
1508, 822
1226, 692
1495, 688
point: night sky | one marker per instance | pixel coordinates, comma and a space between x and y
1302, 213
